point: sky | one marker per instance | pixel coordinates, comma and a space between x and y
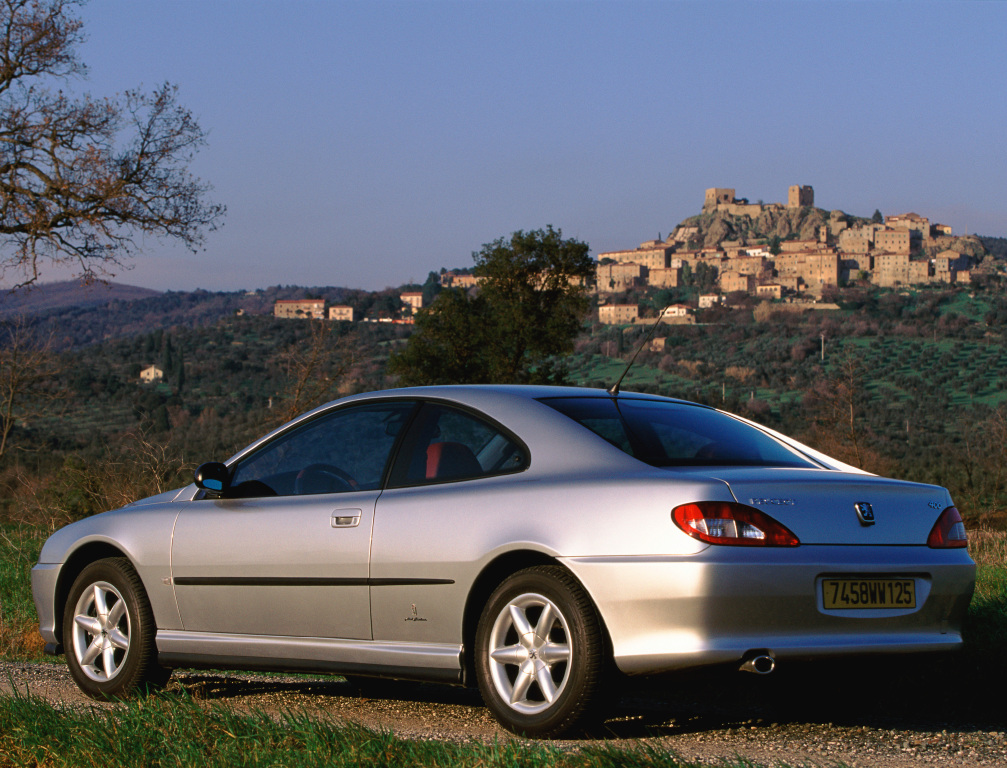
365, 144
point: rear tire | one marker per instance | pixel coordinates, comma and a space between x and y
108, 632
539, 653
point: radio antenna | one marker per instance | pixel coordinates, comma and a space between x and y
614, 389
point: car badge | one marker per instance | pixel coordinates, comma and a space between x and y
865, 513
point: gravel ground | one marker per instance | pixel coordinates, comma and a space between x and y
817, 715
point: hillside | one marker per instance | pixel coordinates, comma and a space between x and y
70, 294
784, 223
717, 226
81, 317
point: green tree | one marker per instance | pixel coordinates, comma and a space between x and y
686, 278
877, 218
448, 345
531, 304
431, 288
705, 277
774, 245
83, 181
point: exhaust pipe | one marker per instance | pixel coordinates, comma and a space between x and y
759, 664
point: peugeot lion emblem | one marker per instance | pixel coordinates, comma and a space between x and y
864, 512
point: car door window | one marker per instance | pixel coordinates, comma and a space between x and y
448, 444
340, 451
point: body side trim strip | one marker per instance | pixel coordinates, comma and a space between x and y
294, 581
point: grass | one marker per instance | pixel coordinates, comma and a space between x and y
986, 624
160, 731
19, 548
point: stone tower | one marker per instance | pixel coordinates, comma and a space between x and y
718, 196
799, 197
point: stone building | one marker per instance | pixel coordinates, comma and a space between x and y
619, 276
949, 265
342, 313
744, 265
894, 269
893, 240
918, 226
800, 246
800, 197
736, 281
653, 254
684, 234
459, 280
718, 196
618, 314
816, 269
856, 240
301, 309
151, 374
413, 301
665, 278
709, 300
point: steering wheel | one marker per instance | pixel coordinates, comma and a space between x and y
323, 478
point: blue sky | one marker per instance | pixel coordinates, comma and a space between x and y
367, 143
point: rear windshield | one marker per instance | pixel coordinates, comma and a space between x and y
668, 434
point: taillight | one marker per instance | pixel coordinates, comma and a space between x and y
722, 522
948, 531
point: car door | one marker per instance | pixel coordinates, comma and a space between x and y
448, 498
288, 553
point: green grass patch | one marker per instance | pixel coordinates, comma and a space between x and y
171, 731
19, 548
986, 623
972, 307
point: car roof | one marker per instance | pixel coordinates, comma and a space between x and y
517, 408
527, 391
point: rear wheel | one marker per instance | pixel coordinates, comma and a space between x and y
539, 653
108, 632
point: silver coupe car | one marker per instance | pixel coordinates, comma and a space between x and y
528, 540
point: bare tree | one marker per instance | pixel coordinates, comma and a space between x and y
83, 179
26, 364
981, 454
315, 368
836, 401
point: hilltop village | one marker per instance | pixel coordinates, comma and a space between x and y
739, 247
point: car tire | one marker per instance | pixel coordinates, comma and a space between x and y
108, 632
539, 653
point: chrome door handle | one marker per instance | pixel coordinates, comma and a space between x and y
346, 518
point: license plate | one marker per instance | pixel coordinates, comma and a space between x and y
869, 593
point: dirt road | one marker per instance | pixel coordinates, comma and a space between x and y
814, 716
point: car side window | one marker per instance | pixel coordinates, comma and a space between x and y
447, 444
338, 452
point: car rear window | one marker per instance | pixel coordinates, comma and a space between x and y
669, 434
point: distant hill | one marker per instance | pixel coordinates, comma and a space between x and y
995, 245
50, 297
80, 316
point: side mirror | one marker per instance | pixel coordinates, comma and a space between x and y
213, 477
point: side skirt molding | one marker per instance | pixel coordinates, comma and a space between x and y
431, 662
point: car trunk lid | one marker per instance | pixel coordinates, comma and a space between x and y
821, 506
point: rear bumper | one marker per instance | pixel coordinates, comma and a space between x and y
674, 612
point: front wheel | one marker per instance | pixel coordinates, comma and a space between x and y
539, 653
108, 632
